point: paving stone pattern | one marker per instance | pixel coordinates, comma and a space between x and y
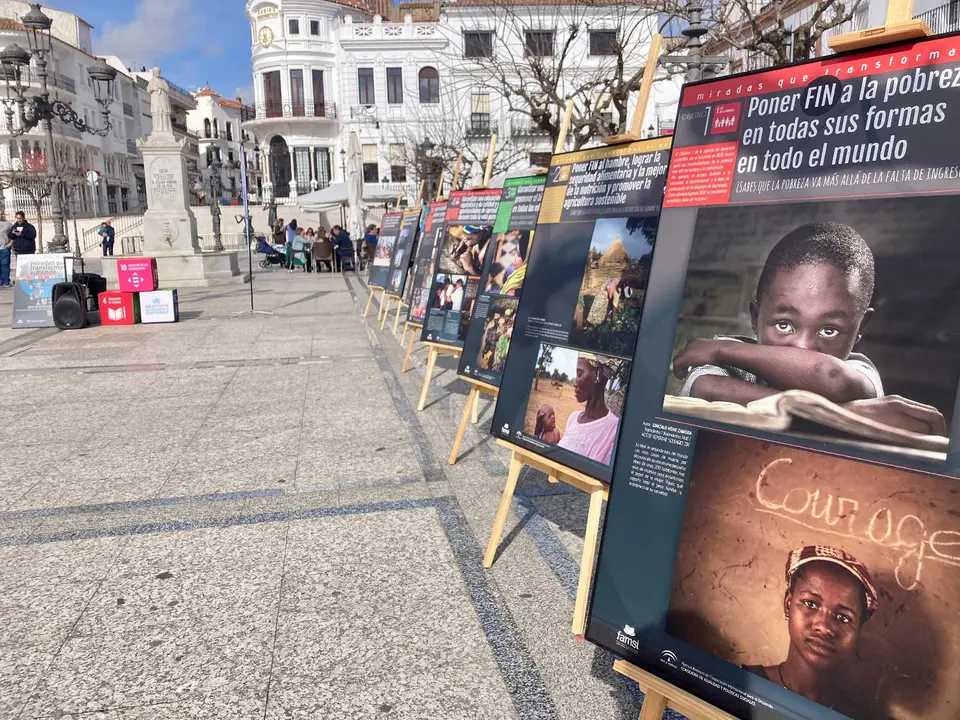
243, 516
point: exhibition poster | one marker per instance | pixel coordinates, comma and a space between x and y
783, 532
389, 231
426, 261
565, 379
460, 255
491, 326
33, 290
400, 260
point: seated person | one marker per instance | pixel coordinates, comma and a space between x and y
324, 253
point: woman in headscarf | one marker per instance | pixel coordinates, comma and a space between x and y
591, 432
829, 596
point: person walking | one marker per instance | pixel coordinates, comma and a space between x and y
6, 248
107, 235
23, 235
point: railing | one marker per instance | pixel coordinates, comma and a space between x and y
131, 245
289, 110
945, 18
364, 113
64, 83
480, 129
378, 31
230, 241
66, 129
120, 224
247, 112
128, 109
132, 147
525, 128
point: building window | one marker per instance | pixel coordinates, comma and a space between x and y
371, 164
229, 131
314, 27
398, 163
206, 127
478, 44
603, 42
293, 26
216, 129
394, 86
271, 94
229, 156
319, 110
539, 43
296, 93
429, 85
323, 167
540, 159
480, 113
301, 161
365, 93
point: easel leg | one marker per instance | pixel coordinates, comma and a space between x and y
366, 310
475, 409
654, 704
386, 310
396, 319
586, 562
406, 358
431, 361
471, 400
403, 338
502, 511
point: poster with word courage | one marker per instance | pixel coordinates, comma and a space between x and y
491, 327
459, 259
783, 532
565, 379
423, 271
400, 259
383, 255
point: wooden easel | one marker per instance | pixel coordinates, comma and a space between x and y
396, 319
388, 299
415, 330
899, 25
436, 349
373, 289
660, 695
555, 473
471, 411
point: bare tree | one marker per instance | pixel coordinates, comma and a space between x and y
547, 53
37, 187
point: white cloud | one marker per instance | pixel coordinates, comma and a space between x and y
158, 29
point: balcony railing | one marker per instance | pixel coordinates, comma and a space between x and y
943, 19
132, 147
477, 128
364, 113
291, 110
128, 109
64, 83
525, 128
66, 130
247, 112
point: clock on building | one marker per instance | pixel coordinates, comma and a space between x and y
265, 36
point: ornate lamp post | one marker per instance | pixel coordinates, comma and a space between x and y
40, 110
216, 194
425, 150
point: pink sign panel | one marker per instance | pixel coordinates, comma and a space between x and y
137, 274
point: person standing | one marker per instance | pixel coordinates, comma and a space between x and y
292, 231
6, 247
23, 235
107, 235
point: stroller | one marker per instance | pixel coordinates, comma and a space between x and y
271, 256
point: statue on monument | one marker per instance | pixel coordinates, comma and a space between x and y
160, 108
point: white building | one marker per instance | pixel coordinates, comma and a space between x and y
216, 122
324, 68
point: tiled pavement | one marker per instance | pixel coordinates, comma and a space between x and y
243, 516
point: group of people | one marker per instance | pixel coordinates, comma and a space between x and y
449, 296
316, 248
18, 237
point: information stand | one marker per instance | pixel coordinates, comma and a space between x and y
373, 290
658, 695
556, 473
415, 330
851, 469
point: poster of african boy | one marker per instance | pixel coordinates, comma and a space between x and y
835, 579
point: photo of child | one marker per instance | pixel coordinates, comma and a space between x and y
824, 315
576, 400
464, 248
497, 332
614, 283
509, 263
781, 571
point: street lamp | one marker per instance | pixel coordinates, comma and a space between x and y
343, 164
425, 150
216, 193
40, 110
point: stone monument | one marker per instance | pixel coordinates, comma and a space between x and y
169, 225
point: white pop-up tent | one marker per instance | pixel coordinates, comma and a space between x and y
333, 196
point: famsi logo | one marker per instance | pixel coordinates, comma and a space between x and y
626, 638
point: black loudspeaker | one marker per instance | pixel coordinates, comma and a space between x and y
95, 285
69, 305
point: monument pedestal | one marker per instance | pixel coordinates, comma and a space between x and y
169, 225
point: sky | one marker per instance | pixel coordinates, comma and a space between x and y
195, 42
606, 230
